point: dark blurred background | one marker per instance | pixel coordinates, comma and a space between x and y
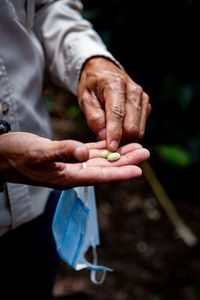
157, 42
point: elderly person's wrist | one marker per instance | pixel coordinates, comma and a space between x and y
99, 60
4, 128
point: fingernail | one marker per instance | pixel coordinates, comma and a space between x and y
144, 151
147, 152
113, 145
80, 153
102, 134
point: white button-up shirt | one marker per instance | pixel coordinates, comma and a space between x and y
35, 35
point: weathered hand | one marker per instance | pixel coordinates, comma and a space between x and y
100, 170
116, 108
30, 159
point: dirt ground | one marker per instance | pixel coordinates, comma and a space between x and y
138, 242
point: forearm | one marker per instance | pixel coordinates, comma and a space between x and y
8, 172
4, 165
14, 155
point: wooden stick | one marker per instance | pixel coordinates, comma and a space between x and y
181, 228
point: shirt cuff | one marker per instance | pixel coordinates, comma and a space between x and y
74, 61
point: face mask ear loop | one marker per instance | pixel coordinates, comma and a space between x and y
94, 250
93, 272
86, 195
85, 188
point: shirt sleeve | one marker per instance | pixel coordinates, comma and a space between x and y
68, 41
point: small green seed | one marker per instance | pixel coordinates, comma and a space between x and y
113, 156
105, 153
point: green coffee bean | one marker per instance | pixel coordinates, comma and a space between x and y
105, 153
113, 156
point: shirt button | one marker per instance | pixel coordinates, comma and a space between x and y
4, 108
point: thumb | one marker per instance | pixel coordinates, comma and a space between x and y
68, 151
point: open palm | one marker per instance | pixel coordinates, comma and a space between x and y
100, 170
30, 159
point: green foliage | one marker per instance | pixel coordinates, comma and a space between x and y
173, 90
175, 154
92, 14
49, 103
197, 287
156, 297
190, 2
73, 111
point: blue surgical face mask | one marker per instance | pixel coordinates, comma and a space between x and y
75, 230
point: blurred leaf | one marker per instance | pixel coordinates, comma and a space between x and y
197, 287
155, 297
92, 14
73, 111
185, 96
176, 91
49, 103
175, 154
189, 1
106, 36
194, 147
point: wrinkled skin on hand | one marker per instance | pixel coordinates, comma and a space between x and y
115, 107
30, 159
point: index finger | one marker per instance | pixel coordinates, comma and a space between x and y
115, 112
